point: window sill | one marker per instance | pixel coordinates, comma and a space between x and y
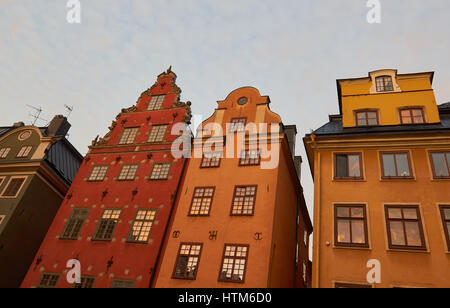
392, 179
352, 247
349, 180
424, 251
441, 179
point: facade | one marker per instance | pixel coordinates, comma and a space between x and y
381, 170
237, 221
37, 166
115, 216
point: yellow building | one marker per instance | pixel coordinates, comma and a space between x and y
240, 212
381, 172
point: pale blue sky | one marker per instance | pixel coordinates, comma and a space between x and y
291, 50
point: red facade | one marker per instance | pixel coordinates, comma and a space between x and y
114, 223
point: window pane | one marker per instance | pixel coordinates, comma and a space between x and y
389, 165
358, 232
341, 166
397, 235
373, 119
447, 214
410, 213
343, 229
355, 167
413, 234
343, 212
406, 116
357, 212
395, 213
440, 165
448, 229
402, 164
418, 115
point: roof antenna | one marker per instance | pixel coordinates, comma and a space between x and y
69, 110
36, 115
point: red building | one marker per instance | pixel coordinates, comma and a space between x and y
114, 218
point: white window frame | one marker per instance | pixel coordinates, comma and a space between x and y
24, 151
18, 191
97, 179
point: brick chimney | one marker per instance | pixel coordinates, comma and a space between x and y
59, 126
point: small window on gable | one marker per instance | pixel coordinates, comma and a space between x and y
156, 102
4, 152
384, 84
129, 135
2, 217
24, 151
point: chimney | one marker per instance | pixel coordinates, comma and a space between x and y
59, 126
18, 124
291, 134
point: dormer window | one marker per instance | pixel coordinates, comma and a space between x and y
384, 84
412, 116
156, 102
367, 118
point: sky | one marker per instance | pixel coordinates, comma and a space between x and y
291, 50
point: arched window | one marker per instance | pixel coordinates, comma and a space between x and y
384, 84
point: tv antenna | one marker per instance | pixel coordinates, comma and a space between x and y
69, 110
36, 115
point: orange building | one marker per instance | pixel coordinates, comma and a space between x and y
240, 209
381, 171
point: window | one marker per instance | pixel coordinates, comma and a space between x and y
396, 165
1, 180
201, 201
98, 173
156, 102
340, 285
48, 280
244, 201
348, 166
129, 135
187, 262
211, 160
160, 171
122, 284
107, 225
305, 272
234, 263
86, 283
445, 212
384, 84
75, 223
412, 116
142, 226
4, 152
128, 173
2, 217
24, 151
404, 227
305, 238
237, 125
157, 133
440, 162
13, 188
250, 158
350, 223
367, 118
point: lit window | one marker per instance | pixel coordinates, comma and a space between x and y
142, 226
350, 226
348, 166
86, 283
128, 172
156, 102
404, 227
367, 118
244, 201
384, 84
129, 135
158, 133
441, 164
201, 201
24, 151
75, 223
48, 280
237, 125
98, 173
234, 263
250, 158
187, 261
4, 152
211, 160
396, 165
160, 171
412, 116
107, 225
13, 188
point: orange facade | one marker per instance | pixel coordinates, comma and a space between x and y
235, 223
381, 172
